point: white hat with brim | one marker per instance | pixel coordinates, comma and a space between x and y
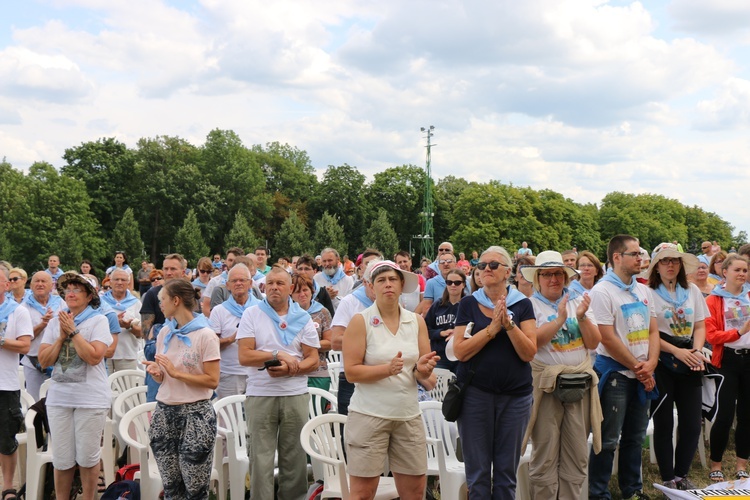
667, 250
547, 259
411, 280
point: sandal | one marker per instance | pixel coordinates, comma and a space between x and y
10, 492
741, 474
716, 476
102, 486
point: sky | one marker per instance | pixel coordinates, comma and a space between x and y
584, 97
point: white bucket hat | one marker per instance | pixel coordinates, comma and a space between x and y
666, 250
411, 280
547, 259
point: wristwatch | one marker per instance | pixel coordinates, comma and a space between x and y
275, 354
511, 325
74, 333
2, 341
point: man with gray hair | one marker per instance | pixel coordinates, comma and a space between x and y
225, 320
332, 276
128, 310
15, 337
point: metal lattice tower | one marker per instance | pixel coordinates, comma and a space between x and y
427, 246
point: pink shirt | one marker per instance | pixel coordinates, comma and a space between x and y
204, 347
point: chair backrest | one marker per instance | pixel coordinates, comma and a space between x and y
126, 401
134, 428
437, 427
317, 404
334, 356
321, 438
231, 420
44, 388
443, 377
27, 401
333, 371
123, 380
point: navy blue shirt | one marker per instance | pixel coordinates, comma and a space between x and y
438, 318
497, 367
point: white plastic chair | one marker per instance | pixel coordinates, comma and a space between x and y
441, 452
316, 406
443, 377
134, 428
333, 370
124, 402
334, 357
36, 459
21, 377
123, 380
321, 438
44, 388
232, 427
27, 401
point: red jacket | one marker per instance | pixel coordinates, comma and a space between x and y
715, 333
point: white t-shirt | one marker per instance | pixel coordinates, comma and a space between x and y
256, 324
212, 283
630, 318
410, 301
36, 318
349, 306
77, 384
226, 324
680, 322
18, 325
127, 343
566, 347
344, 287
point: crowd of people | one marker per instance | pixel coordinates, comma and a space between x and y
558, 352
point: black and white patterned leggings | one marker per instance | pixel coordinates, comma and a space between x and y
182, 438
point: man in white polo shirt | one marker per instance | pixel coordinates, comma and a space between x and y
277, 331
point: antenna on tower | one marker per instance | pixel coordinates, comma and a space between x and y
427, 247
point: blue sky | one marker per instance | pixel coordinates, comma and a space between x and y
583, 97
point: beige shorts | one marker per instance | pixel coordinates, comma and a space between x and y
369, 440
76, 435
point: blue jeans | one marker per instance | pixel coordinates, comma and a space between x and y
626, 419
346, 391
491, 427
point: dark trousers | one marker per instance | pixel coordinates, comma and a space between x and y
346, 390
734, 394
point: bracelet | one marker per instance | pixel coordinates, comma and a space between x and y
489, 335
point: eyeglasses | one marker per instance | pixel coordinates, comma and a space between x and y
239, 280
454, 283
705, 248
493, 265
446, 261
105, 288
557, 275
631, 254
121, 280
15, 278
304, 268
204, 271
585, 265
717, 262
74, 291
156, 279
670, 260
444, 250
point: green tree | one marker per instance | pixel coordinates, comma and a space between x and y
127, 237
381, 235
241, 235
329, 233
6, 249
400, 192
293, 237
340, 194
189, 240
107, 167
447, 191
705, 226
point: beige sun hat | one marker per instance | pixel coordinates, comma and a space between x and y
666, 250
547, 259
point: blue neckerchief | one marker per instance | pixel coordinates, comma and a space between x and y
6, 309
53, 302
197, 283
742, 296
111, 315
314, 307
361, 295
316, 288
223, 277
541, 298
340, 274
605, 366
512, 297
611, 277
87, 313
576, 289
681, 295
296, 319
258, 276
56, 275
112, 269
233, 307
715, 276
199, 321
434, 266
122, 305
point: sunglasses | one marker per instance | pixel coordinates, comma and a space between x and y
493, 265
446, 261
454, 283
444, 249
15, 278
156, 279
203, 271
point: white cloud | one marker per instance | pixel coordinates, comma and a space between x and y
721, 18
730, 109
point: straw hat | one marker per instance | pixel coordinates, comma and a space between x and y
667, 250
547, 259
73, 277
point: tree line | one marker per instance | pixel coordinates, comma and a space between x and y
167, 194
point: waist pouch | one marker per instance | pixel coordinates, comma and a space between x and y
571, 387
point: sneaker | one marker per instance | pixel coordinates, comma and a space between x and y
685, 484
672, 485
639, 495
